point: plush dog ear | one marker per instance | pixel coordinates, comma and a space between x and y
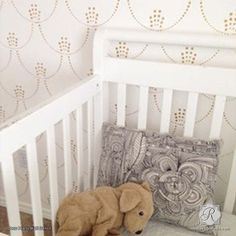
129, 200
146, 186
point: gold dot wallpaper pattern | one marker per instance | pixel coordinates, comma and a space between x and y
46, 45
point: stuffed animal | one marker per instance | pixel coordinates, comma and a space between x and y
101, 212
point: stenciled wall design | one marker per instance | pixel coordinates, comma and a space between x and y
46, 46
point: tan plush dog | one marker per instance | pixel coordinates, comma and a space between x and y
102, 211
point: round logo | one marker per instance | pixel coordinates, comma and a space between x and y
210, 214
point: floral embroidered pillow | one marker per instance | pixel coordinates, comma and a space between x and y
182, 174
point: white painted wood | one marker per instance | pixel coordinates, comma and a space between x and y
231, 189
10, 190
52, 172
121, 104
105, 101
67, 154
98, 122
46, 114
190, 78
143, 107
166, 110
80, 147
99, 45
90, 143
34, 181
217, 117
174, 38
191, 114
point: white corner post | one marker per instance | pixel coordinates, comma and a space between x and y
100, 100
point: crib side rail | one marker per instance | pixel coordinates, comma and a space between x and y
24, 132
25, 129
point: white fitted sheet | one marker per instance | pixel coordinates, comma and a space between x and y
154, 228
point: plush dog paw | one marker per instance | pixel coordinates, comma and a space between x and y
114, 232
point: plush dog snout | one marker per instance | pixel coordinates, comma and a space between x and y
139, 232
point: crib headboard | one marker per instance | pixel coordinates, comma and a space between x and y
193, 79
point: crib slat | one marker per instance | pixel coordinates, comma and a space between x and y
166, 110
34, 186
231, 190
67, 154
217, 118
80, 146
98, 120
90, 142
121, 102
191, 114
9, 183
52, 168
143, 106
105, 101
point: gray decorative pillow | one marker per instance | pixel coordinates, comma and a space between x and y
182, 174
181, 171
122, 150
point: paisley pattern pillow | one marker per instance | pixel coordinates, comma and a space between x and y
122, 149
181, 171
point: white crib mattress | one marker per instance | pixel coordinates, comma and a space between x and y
226, 228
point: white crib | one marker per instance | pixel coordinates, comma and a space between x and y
93, 92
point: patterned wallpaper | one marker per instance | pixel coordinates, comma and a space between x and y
46, 46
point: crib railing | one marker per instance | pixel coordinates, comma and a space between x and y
220, 82
24, 132
169, 77
193, 79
